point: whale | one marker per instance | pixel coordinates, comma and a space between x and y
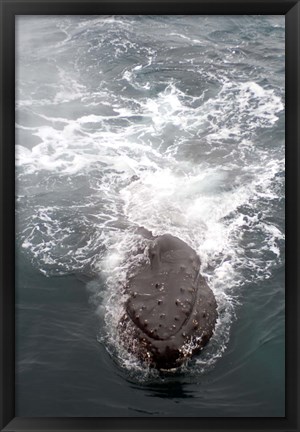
170, 312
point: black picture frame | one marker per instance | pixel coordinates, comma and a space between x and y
9, 9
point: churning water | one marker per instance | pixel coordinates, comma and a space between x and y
176, 124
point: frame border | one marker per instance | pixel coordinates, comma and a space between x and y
8, 10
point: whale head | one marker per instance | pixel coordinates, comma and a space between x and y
170, 312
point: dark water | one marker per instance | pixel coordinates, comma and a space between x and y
175, 123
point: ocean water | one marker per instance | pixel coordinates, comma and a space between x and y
176, 124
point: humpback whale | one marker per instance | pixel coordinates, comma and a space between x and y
170, 312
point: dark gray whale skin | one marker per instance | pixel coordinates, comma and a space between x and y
171, 312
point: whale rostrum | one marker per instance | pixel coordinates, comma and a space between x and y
170, 313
